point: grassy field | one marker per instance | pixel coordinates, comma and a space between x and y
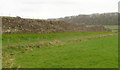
61, 50
18, 39
112, 26
108, 26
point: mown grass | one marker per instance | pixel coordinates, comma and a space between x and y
95, 53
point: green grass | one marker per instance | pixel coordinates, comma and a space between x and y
95, 53
108, 26
112, 26
21, 39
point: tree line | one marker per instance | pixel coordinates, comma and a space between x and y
93, 19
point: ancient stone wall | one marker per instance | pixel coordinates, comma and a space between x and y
21, 25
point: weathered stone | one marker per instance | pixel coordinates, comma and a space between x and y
20, 25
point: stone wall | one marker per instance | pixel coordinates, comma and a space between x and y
21, 25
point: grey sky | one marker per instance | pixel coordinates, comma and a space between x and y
55, 8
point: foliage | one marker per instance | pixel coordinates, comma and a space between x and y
94, 19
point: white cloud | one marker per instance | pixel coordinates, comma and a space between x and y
55, 8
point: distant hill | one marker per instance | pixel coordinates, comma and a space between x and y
93, 19
22, 25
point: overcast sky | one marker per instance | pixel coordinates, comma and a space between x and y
55, 8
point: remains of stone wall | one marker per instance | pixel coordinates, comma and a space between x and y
21, 25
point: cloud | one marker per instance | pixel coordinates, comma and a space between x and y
56, 8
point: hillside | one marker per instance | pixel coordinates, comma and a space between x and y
93, 19
22, 25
